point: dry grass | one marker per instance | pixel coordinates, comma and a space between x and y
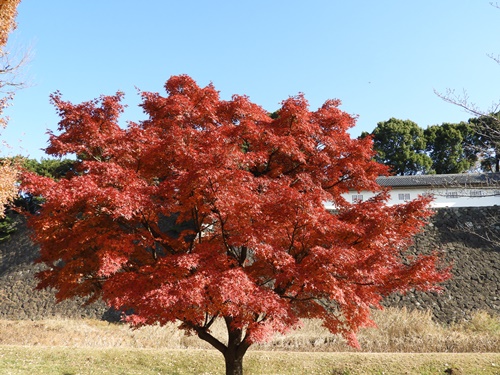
415, 331
399, 331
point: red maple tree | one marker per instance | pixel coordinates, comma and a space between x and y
214, 209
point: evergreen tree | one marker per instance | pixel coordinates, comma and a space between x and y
451, 147
401, 145
487, 129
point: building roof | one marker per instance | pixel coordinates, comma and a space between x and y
441, 180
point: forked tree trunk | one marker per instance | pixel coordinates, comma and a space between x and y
233, 352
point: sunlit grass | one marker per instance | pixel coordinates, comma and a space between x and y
115, 361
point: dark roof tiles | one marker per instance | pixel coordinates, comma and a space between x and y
437, 180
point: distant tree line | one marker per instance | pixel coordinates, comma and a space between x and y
439, 149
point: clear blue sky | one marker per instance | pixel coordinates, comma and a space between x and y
381, 58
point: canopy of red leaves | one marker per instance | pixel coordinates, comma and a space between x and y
214, 208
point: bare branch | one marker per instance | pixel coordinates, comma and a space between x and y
462, 101
10, 70
489, 234
494, 58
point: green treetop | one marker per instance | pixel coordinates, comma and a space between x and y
451, 147
401, 145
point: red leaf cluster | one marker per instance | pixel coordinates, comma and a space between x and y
214, 208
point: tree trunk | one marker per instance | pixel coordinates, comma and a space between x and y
235, 349
234, 363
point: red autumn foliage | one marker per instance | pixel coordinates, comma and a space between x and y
213, 209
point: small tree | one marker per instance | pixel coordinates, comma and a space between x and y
212, 209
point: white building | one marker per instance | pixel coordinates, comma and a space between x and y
448, 190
